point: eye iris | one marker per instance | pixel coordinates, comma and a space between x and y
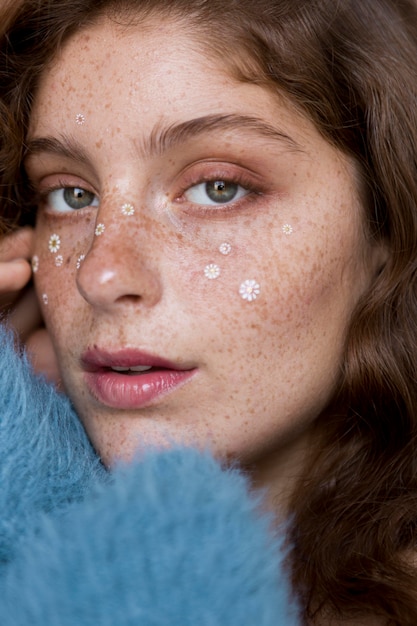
78, 198
221, 190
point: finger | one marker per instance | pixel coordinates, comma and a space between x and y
42, 356
26, 315
13, 277
17, 245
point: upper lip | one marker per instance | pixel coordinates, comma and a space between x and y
96, 359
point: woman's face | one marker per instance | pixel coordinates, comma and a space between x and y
200, 249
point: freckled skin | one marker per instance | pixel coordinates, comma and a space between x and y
266, 369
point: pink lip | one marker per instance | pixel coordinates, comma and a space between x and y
131, 391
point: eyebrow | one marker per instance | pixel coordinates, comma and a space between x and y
66, 146
165, 138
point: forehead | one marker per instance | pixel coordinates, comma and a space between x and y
148, 70
111, 61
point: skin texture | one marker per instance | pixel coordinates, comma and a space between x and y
266, 369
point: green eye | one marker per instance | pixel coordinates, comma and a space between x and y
215, 192
221, 190
77, 198
71, 199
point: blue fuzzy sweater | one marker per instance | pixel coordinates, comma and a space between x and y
171, 540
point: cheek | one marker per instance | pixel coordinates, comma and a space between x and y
55, 262
237, 267
281, 296
257, 279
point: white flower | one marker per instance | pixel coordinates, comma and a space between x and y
45, 298
35, 264
212, 271
80, 260
54, 243
79, 119
287, 229
100, 228
128, 209
249, 290
225, 248
59, 260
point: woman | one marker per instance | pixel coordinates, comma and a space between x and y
225, 250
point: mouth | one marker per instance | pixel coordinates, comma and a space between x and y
138, 369
130, 379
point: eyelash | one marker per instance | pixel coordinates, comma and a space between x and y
246, 182
238, 179
42, 199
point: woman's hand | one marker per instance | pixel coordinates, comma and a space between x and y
19, 303
15, 270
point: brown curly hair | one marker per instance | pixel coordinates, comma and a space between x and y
351, 67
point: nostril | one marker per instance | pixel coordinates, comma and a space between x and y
129, 298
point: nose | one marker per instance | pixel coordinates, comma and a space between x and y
121, 267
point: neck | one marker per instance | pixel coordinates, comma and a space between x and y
279, 472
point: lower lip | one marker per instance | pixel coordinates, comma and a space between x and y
122, 391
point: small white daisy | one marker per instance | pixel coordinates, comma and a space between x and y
287, 229
80, 260
79, 119
225, 248
35, 264
100, 228
249, 290
59, 260
128, 209
54, 243
212, 271
45, 298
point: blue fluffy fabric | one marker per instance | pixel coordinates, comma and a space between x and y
46, 460
172, 539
